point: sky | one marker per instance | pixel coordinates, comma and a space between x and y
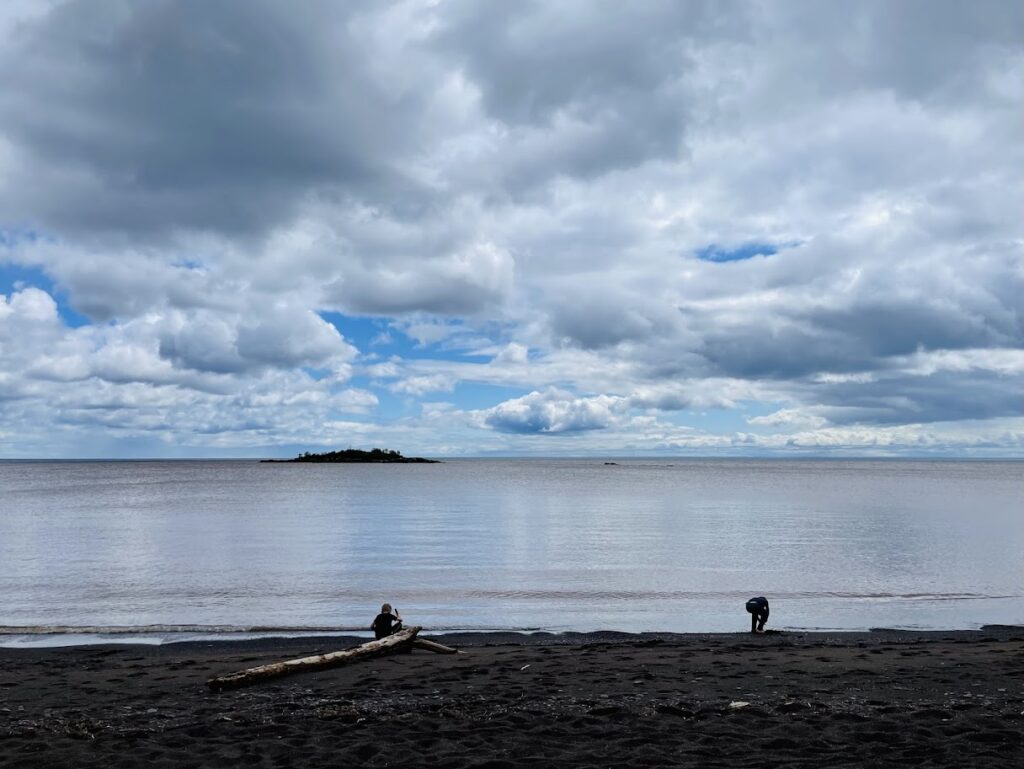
246, 228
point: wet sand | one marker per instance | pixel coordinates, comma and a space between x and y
941, 699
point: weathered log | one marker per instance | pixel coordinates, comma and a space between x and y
400, 640
423, 643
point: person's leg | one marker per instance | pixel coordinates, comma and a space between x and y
753, 622
763, 620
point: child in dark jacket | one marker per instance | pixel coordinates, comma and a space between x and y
386, 623
758, 609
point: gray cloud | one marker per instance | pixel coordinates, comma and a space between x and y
901, 397
151, 117
579, 91
906, 47
533, 60
594, 316
860, 308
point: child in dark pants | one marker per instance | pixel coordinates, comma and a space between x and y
758, 608
386, 623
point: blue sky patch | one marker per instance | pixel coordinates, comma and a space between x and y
477, 395
367, 334
717, 253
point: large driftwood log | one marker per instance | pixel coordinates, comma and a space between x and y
423, 643
400, 640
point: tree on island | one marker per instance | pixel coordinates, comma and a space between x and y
355, 455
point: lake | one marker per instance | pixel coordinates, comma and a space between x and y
211, 547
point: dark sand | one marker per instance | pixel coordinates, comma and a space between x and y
946, 699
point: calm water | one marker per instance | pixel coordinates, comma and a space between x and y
643, 545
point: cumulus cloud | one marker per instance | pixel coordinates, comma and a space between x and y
552, 412
275, 337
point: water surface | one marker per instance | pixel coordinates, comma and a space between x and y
675, 545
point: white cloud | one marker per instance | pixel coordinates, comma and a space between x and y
421, 385
512, 354
789, 417
552, 412
28, 307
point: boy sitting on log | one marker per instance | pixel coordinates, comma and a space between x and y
386, 623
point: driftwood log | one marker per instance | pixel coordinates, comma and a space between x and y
423, 643
403, 639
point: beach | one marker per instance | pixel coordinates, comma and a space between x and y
881, 698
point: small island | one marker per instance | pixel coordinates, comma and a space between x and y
356, 455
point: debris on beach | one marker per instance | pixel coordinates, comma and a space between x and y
400, 641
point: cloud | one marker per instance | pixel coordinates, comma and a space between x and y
789, 417
695, 394
576, 92
512, 354
200, 115
463, 283
552, 412
421, 385
30, 307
